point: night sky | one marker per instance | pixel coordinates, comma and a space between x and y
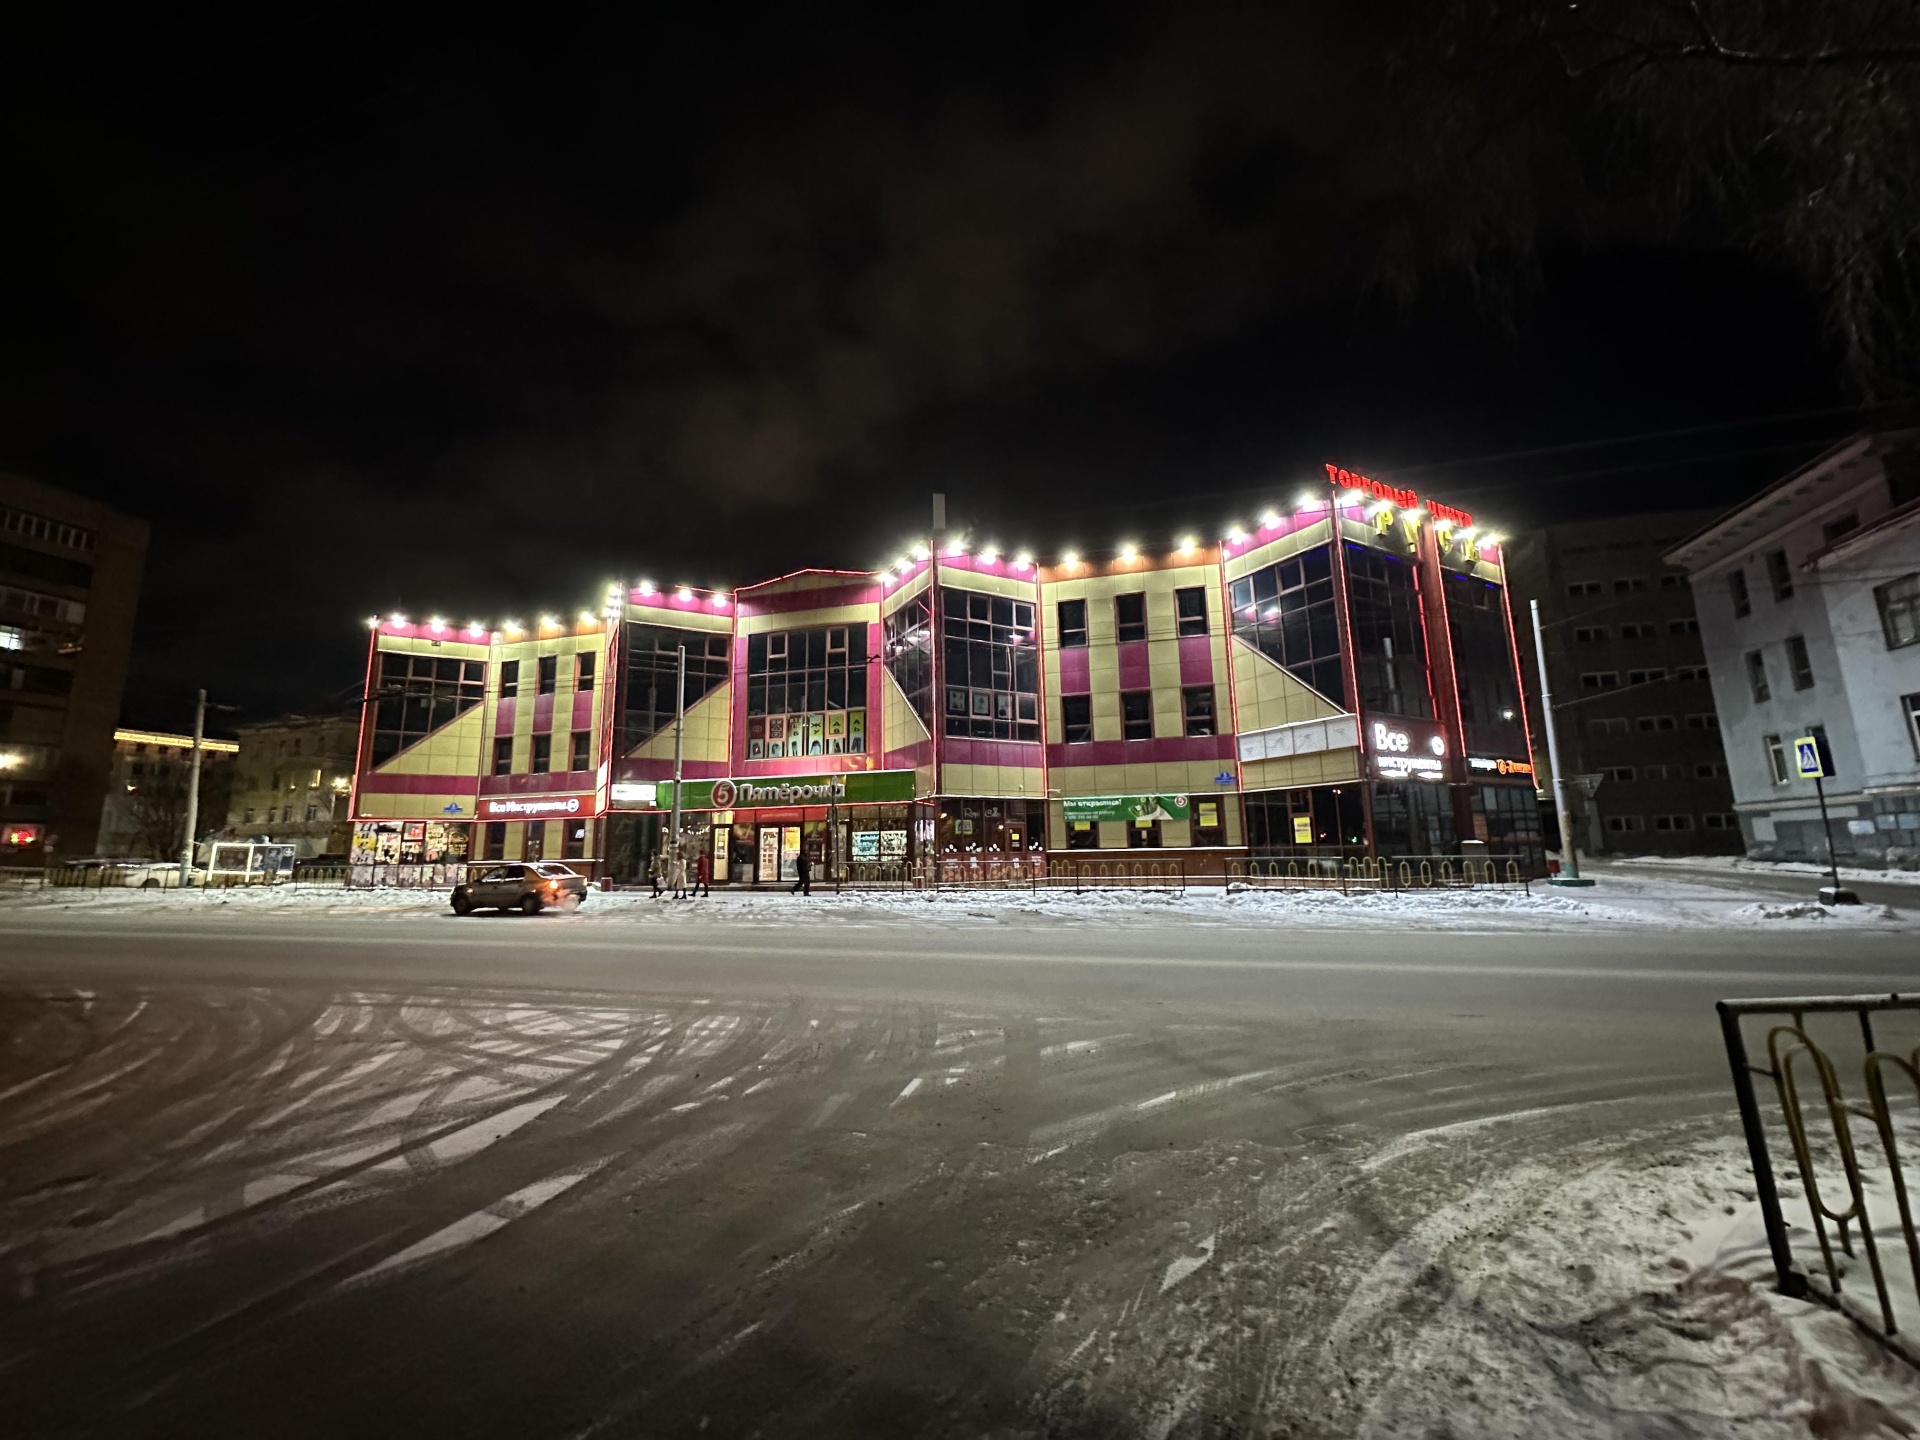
364, 313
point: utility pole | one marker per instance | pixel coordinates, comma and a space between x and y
679, 749
193, 790
1569, 858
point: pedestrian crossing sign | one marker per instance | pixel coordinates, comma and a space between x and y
1811, 758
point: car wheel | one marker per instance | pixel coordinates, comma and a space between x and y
529, 904
149, 884
462, 905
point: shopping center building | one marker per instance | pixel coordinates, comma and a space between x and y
1335, 681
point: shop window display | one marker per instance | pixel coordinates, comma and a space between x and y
990, 826
807, 692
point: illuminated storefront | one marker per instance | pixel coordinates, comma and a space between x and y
1338, 679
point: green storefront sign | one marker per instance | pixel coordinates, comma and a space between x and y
856, 787
1126, 807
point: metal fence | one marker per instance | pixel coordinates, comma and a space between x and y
1843, 1143
1033, 870
1351, 873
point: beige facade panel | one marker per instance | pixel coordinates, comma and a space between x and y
1325, 767
706, 727
1265, 695
1282, 548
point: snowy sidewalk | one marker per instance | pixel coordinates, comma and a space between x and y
1622, 901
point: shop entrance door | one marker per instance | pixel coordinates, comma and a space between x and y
779, 854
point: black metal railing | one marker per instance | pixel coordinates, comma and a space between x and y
1854, 1194
1351, 873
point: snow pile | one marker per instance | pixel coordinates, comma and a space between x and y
1741, 863
1813, 910
1632, 1298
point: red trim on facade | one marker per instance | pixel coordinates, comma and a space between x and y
910, 757
378, 784
663, 769
1027, 754
825, 598
567, 782
1140, 752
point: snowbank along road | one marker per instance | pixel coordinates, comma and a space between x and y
284, 1173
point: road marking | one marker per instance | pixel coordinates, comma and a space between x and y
907, 1094
480, 1224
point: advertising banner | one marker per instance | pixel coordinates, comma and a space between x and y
1126, 807
536, 807
858, 787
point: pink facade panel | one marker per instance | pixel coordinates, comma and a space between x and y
542, 714
374, 783
1075, 676
503, 716
663, 769
1139, 752
1196, 659
1136, 671
583, 711
557, 782
908, 756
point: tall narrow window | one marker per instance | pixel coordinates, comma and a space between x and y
1073, 624
1779, 576
581, 757
1910, 707
1130, 616
549, 673
509, 677
542, 754
1757, 675
1777, 760
1190, 604
1076, 719
1899, 602
1737, 592
1799, 662
1136, 714
493, 841
503, 755
1196, 703
583, 671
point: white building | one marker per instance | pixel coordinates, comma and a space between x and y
1808, 597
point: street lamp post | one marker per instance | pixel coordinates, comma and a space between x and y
1569, 858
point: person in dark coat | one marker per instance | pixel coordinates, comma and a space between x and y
803, 868
703, 875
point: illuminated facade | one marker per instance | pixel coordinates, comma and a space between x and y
1337, 681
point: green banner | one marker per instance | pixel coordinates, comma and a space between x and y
1126, 807
856, 787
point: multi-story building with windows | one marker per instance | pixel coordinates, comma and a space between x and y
1638, 733
1809, 606
1336, 680
145, 812
291, 783
69, 585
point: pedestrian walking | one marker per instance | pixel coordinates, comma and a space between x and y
703, 875
677, 876
803, 868
656, 871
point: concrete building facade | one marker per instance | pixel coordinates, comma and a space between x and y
1637, 725
1809, 603
293, 777
145, 813
70, 571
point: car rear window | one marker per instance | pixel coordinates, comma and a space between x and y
553, 872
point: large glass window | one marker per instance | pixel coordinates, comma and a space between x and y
1483, 666
807, 692
992, 666
1413, 818
1286, 611
417, 694
1512, 813
1389, 646
652, 661
1324, 819
909, 641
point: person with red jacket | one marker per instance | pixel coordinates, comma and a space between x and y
703, 875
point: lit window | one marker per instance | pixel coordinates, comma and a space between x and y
1899, 602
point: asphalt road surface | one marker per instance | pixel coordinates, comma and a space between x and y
305, 1175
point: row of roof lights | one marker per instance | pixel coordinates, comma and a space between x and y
1236, 536
616, 598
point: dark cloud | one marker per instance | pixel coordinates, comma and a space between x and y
364, 314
